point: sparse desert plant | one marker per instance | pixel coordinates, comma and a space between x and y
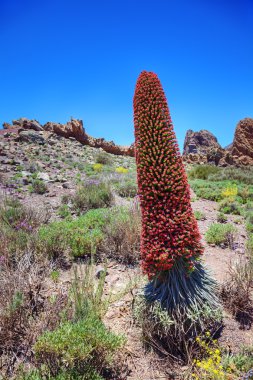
38, 186
219, 233
229, 206
126, 188
103, 158
22, 309
122, 235
199, 215
222, 218
82, 343
64, 211
92, 194
236, 292
170, 241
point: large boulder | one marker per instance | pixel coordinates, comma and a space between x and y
242, 147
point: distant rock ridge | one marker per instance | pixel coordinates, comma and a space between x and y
202, 147
74, 129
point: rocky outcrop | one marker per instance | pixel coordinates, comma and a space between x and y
201, 142
24, 123
202, 147
242, 147
72, 129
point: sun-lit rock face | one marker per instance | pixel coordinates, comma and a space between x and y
242, 148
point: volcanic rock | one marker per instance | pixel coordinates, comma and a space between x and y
31, 136
201, 142
242, 148
25, 123
73, 128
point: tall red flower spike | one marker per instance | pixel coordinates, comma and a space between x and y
169, 228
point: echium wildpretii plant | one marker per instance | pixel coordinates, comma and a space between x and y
170, 243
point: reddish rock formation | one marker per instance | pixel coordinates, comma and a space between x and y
242, 148
201, 142
24, 123
202, 147
73, 128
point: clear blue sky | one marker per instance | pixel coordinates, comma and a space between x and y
63, 58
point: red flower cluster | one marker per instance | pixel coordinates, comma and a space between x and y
169, 228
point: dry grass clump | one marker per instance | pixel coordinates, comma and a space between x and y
236, 293
122, 236
24, 311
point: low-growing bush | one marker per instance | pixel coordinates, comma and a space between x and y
64, 211
236, 292
126, 189
122, 235
77, 236
199, 215
80, 345
103, 158
243, 175
86, 342
221, 234
222, 218
38, 186
92, 194
228, 206
202, 171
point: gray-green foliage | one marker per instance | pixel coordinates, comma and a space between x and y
219, 233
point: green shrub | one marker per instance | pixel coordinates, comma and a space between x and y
83, 344
103, 158
52, 240
249, 217
199, 215
75, 344
222, 218
38, 187
206, 190
228, 206
93, 194
220, 234
63, 211
243, 175
126, 189
202, 171
77, 236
